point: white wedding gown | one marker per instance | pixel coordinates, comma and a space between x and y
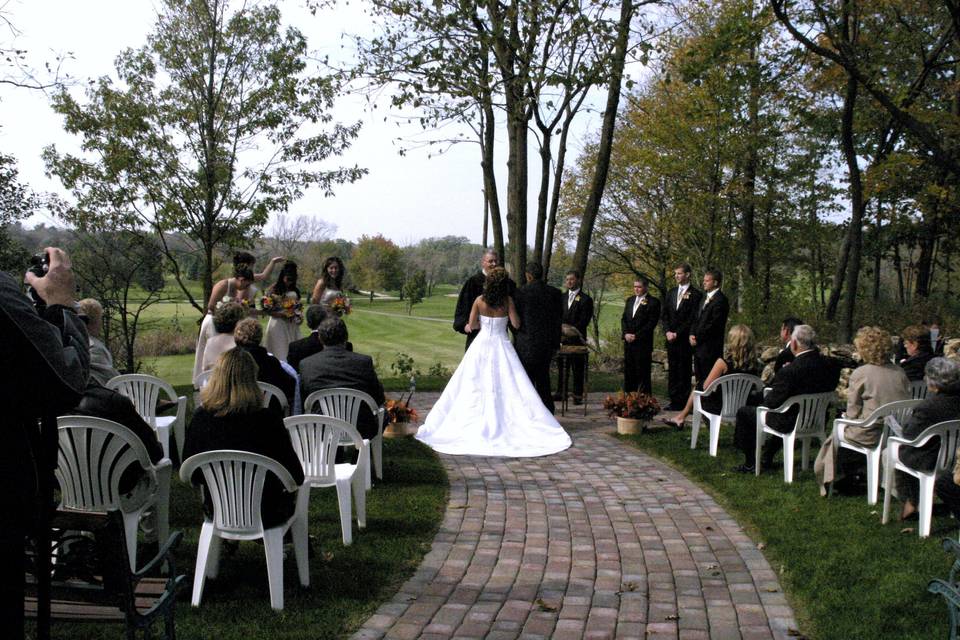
489, 407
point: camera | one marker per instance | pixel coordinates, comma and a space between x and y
39, 265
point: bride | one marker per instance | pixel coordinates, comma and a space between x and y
490, 407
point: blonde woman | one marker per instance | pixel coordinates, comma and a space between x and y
874, 383
232, 416
739, 356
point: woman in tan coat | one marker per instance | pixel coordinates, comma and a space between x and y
873, 384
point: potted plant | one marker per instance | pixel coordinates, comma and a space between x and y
632, 410
401, 416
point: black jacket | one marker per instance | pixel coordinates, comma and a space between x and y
540, 308
303, 348
711, 325
938, 407
810, 372
579, 313
680, 320
642, 324
270, 371
915, 365
336, 367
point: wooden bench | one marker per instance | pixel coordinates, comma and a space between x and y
949, 588
91, 576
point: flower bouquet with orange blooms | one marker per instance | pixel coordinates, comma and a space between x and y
634, 406
282, 307
341, 306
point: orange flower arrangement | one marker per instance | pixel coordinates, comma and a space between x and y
634, 405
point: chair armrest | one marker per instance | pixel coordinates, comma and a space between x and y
945, 589
919, 441
172, 542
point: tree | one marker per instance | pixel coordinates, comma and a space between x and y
211, 126
414, 289
16, 203
290, 234
377, 264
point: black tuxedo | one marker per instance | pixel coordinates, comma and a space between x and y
540, 308
336, 367
810, 372
637, 354
679, 319
469, 292
303, 348
709, 329
577, 313
785, 357
270, 371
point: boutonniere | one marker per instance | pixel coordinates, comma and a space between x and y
577, 298
643, 302
686, 296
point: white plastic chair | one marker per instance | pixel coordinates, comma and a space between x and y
234, 482
949, 434
918, 389
810, 423
345, 404
203, 378
316, 438
901, 410
271, 391
144, 391
736, 388
93, 454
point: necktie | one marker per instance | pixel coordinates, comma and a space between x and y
680, 293
636, 305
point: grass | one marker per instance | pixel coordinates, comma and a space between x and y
847, 576
347, 583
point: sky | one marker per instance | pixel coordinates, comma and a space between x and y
404, 198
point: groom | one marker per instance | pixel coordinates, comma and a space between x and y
540, 308
471, 289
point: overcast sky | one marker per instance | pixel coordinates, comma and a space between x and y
404, 198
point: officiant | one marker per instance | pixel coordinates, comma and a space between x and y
472, 289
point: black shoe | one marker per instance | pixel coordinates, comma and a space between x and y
745, 468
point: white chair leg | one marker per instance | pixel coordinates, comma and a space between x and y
367, 467
714, 435
200, 570
273, 548
131, 522
804, 453
873, 477
756, 458
163, 435
695, 429
300, 549
926, 504
163, 505
887, 490
359, 502
213, 558
343, 497
377, 444
788, 444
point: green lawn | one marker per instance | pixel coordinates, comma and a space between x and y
847, 576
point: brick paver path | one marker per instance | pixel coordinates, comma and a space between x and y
600, 541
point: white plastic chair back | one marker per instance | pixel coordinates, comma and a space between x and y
315, 438
203, 378
812, 417
234, 482
144, 391
271, 391
345, 404
918, 389
949, 432
736, 388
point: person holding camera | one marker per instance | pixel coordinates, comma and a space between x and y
47, 363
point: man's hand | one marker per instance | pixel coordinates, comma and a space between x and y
629, 337
693, 341
58, 286
277, 259
671, 336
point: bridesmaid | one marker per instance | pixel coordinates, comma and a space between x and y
282, 330
330, 283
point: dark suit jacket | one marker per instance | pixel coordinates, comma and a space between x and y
270, 371
303, 348
580, 313
336, 367
810, 372
915, 365
680, 320
472, 288
711, 325
642, 324
540, 308
938, 407
783, 358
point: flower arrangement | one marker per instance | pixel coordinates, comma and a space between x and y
340, 306
400, 411
230, 300
282, 307
634, 405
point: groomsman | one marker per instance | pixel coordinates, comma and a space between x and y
706, 335
577, 313
679, 313
640, 317
472, 288
540, 308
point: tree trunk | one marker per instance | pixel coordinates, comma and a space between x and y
898, 265
487, 146
592, 207
750, 170
542, 198
857, 205
555, 198
878, 253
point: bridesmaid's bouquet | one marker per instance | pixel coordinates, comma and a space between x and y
282, 307
340, 306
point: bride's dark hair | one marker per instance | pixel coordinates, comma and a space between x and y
495, 289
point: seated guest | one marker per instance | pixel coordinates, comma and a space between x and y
810, 372
943, 403
916, 345
786, 330
247, 336
336, 367
937, 337
873, 384
739, 357
300, 349
101, 360
232, 417
225, 320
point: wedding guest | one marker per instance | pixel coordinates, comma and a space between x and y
336, 367
232, 417
101, 360
706, 334
282, 329
641, 313
247, 336
305, 347
937, 337
679, 312
739, 356
943, 403
472, 289
329, 285
786, 330
873, 384
916, 344
224, 322
540, 308
577, 314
